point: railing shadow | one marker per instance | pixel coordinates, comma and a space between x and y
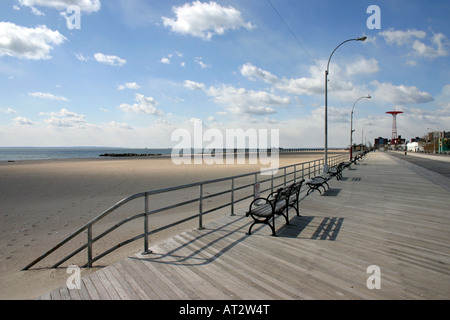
195, 258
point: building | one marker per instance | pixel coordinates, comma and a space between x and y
444, 142
380, 143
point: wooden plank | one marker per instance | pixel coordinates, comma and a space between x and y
116, 284
109, 287
90, 288
100, 289
135, 286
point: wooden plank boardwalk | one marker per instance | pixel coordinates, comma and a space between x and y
381, 213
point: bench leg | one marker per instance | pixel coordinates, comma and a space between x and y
265, 221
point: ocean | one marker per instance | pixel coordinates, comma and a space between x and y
17, 154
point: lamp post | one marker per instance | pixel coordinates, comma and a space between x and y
434, 140
325, 166
351, 125
362, 135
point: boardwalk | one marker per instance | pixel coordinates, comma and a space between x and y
381, 213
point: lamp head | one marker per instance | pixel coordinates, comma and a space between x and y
369, 96
361, 38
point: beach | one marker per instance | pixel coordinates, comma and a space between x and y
43, 202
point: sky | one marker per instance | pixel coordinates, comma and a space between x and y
129, 73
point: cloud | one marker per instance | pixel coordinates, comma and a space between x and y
165, 60
205, 20
129, 85
192, 85
400, 94
144, 105
243, 101
8, 111
254, 73
28, 43
109, 60
438, 46
400, 37
64, 118
362, 66
47, 96
440, 42
22, 121
201, 63
87, 6
82, 57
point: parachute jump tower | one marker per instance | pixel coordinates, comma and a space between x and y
394, 114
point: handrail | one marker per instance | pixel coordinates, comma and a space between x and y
306, 170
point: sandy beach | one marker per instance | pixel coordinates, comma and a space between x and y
42, 202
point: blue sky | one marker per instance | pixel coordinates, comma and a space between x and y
135, 71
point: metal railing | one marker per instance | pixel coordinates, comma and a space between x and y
240, 189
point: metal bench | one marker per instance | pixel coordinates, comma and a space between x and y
265, 210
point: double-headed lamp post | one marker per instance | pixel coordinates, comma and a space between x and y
351, 125
325, 166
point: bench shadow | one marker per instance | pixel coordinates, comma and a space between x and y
332, 192
297, 225
327, 230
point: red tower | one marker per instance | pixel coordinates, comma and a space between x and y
394, 114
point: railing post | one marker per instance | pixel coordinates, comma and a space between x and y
271, 184
200, 209
89, 246
232, 197
284, 176
146, 243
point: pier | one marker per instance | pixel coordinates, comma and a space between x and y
382, 213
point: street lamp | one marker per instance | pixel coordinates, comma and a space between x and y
325, 167
351, 125
362, 135
434, 140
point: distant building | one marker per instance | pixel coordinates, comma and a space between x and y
380, 143
444, 142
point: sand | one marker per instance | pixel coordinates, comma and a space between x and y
42, 202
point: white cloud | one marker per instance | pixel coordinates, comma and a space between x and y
400, 94
82, 57
85, 5
363, 66
64, 118
129, 85
201, 63
192, 85
109, 60
400, 37
243, 101
254, 73
440, 42
22, 121
28, 43
144, 105
205, 20
7, 111
438, 47
165, 60
48, 96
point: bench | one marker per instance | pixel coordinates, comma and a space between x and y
337, 171
322, 180
265, 210
318, 182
